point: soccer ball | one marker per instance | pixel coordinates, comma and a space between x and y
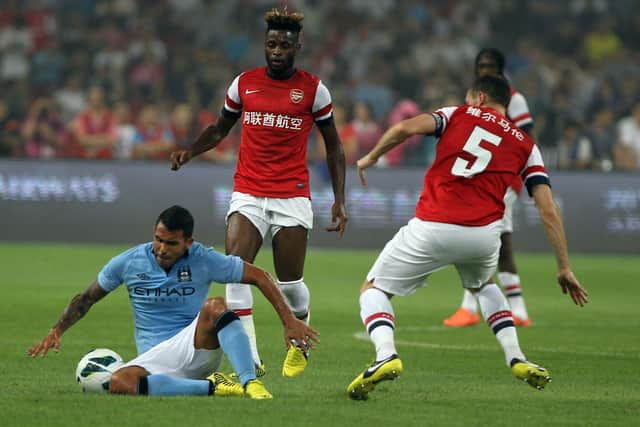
95, 368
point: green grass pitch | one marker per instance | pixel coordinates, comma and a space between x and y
452, 377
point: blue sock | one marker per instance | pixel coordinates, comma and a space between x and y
164, 385
235, 344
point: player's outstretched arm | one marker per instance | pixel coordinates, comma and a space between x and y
423, 124
336, 164
77, 308
294, 329
207, 140
554, 229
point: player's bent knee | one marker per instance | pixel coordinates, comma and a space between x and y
125, 380
214, 307
368, 284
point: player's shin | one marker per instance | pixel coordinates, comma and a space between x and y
496, 313
240, 299
511, 285
377, 315
165, 385
235, 344
469, 302
298, 298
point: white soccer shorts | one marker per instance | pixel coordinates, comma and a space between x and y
510, 198
178, 357
423, 247
270, 214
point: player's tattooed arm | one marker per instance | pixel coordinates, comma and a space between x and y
78, 307
208, 139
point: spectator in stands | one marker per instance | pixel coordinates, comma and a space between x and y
147, 51
43, 130
71, 98
347, 135
366, 128
574, 148
126, 131
184, 126
15, 45
48, 66
602, 136
94, 130
627, 149
403, 110
9, 135
153, 138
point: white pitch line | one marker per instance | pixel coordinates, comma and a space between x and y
363, 336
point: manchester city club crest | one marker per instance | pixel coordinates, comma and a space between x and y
184, 274
296, 95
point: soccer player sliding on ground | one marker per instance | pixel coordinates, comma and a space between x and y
181, 335
458, 221
278, 104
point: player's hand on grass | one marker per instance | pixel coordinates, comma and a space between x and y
52, 340
569, 284
302, 334
179, 158
365, 163
338, 219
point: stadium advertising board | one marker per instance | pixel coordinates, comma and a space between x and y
112, 202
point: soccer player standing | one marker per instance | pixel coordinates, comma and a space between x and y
458, 221
491, 61
180, 333
278, 105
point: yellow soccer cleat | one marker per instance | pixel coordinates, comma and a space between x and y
261, 371
256, 390
534, 375
224, 387
294, 362
384, 370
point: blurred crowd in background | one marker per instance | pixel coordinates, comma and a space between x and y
125, 79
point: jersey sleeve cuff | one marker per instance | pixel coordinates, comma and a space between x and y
536, 180
230, 114
324, 122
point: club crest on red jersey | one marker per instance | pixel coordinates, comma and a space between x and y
296, 95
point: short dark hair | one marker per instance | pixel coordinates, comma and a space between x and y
495, 55
177, 218
284, 20
496, 87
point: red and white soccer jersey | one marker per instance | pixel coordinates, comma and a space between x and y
277, 116
518, 110
479, 155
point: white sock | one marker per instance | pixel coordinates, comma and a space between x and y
297, 295
377, 315
511, 285
469, 302
496, 313
240, 300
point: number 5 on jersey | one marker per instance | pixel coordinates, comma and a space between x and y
472, 146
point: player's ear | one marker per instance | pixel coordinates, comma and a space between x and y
189, 242
482, 97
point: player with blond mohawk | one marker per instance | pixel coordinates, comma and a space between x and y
278, 105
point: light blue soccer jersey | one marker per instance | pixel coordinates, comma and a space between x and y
165, 303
